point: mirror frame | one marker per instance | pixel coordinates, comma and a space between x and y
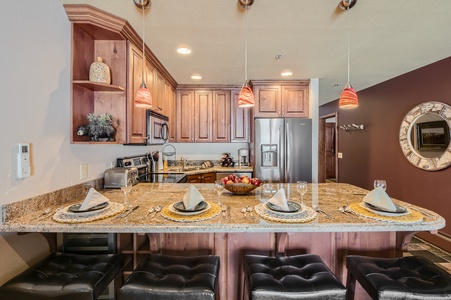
429, 164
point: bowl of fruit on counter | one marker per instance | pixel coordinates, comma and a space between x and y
240, 185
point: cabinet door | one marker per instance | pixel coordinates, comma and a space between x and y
240, 120
295, 101
136, 116
185, 116
203, 112
170, 108
193, 178
267, 101
158, 94
221, 119
208, 178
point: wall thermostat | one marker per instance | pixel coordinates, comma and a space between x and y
23, 160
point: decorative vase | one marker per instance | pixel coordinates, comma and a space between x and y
99, 72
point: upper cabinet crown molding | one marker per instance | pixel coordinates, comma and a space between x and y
101, 25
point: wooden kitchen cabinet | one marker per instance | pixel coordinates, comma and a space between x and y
185, 116
286, 99
97, 33
239, 120
211, 114
202, 178
170, 101
194, 116
221, 116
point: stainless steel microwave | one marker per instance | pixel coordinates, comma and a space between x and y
157, 128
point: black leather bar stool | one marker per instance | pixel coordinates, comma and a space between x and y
411, 277
64, 276
165, 277
290, 277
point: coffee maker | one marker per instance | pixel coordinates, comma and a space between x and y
243, 157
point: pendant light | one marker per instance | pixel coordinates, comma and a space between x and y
348, 98
143, 97
246, 96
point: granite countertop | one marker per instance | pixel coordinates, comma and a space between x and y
328, 196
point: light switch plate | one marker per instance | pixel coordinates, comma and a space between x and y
340, 155
83, 171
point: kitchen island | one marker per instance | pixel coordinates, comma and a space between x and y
331, 238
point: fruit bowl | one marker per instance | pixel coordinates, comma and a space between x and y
240, 188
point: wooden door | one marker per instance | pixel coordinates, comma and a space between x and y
267, 101
158, 94
208, 177
185, 116
330, 150
221, 116
295, 102
170, 104
240, 120
136, 117
203, 112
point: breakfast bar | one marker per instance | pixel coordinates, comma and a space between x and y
333, 224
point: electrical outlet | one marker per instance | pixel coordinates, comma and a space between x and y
340, 155
83, 171
113, 164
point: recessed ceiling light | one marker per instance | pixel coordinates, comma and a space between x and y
184, 50
196, 77
286, 73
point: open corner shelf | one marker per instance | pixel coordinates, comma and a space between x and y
99, 87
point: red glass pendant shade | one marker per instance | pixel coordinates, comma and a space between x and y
348, 98
246, 97
143, 97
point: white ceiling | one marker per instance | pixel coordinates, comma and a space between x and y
387, 38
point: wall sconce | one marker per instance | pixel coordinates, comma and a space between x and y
351, 127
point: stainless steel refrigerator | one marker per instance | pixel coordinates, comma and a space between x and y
283, 150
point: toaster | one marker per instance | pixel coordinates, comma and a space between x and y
112, 177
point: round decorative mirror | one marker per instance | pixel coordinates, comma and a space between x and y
425, 136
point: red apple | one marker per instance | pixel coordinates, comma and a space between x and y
237, 180
229, 182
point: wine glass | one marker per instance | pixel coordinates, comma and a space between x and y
380, 183
126, 187
301, 187
219, 188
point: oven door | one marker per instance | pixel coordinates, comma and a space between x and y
157, 128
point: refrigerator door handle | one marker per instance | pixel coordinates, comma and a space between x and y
280, 154
288, 146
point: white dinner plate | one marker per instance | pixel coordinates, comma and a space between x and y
383, 213
182, 213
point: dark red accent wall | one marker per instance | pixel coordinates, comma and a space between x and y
375, 153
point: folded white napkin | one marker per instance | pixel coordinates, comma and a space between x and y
378, 197
280, 200
92, 199
192, 197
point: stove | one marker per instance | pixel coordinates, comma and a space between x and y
143, 164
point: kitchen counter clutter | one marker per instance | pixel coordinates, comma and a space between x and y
240, 213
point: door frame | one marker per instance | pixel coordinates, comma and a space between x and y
322, 146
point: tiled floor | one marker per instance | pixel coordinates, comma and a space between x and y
421, 248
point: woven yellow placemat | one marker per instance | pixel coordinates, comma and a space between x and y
306, 215
412, 217
65, 216
214, 211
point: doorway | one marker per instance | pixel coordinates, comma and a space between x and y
327, 148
